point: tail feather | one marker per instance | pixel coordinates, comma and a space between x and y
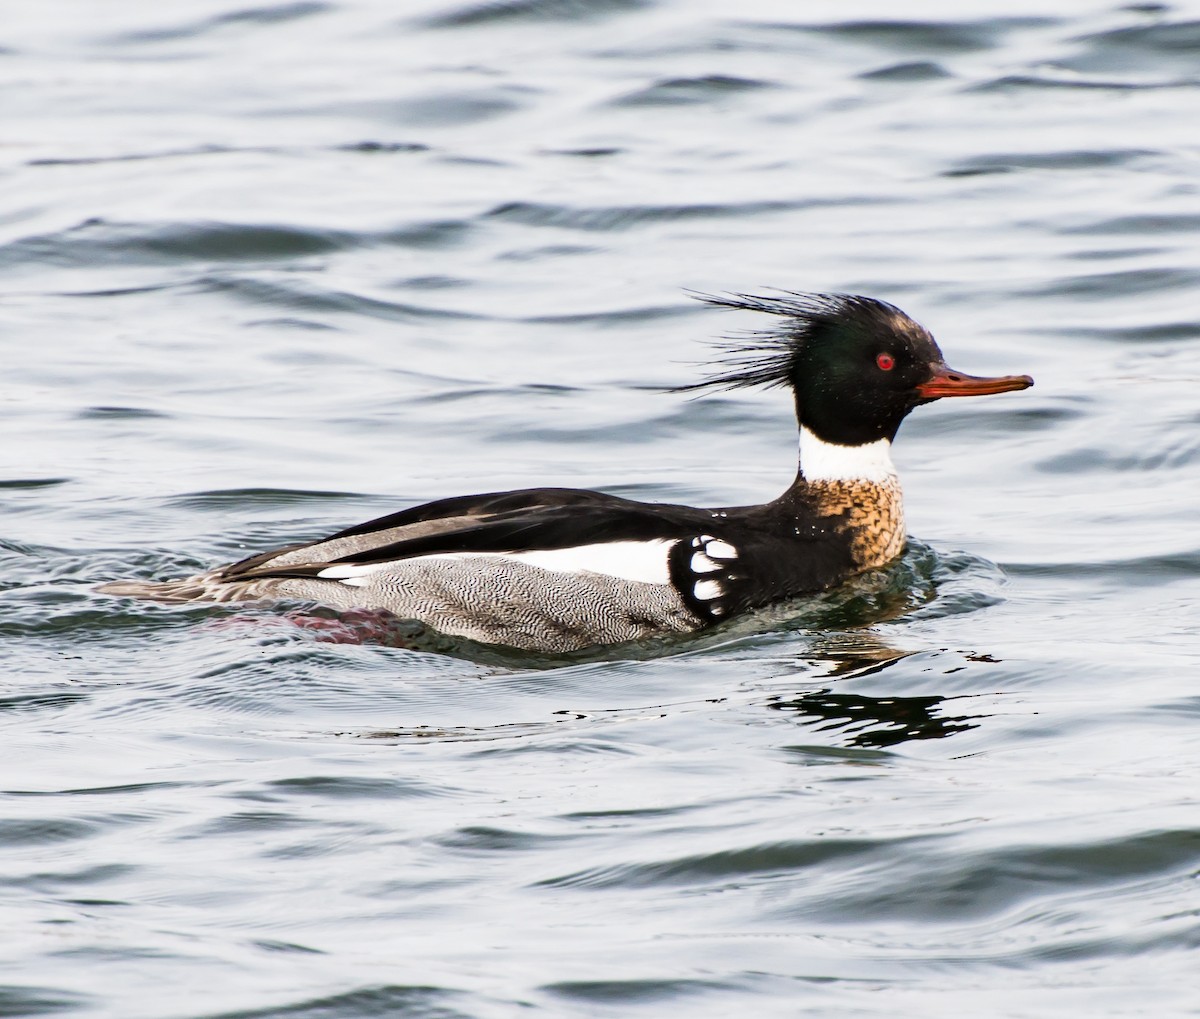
203, 587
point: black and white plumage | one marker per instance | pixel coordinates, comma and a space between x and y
563, 569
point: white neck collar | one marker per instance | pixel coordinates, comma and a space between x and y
827, 461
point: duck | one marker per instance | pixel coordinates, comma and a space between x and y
560, 569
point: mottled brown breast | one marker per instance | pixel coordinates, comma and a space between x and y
869, 513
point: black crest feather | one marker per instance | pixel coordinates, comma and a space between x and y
769, 357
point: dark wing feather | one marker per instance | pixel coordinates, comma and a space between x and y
497, 522
546, 527
486, 505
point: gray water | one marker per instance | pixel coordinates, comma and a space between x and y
269, 271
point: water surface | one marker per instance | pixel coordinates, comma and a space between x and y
268, 271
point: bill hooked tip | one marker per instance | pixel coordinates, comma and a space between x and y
948, 382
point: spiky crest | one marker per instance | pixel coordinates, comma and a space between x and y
770, 357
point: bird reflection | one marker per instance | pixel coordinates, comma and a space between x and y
870, 722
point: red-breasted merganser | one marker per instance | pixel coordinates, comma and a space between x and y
559, 569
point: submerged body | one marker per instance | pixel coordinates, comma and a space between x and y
563, 569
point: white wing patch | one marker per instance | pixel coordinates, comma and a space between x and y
644, 561
352, 573
709, 565
641, 561
720, 549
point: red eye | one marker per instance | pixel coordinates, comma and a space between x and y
886, 362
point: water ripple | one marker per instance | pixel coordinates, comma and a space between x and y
930, 36
623, 218
724, 865
26, 1000
156, 243
274, 14
260, 257
493, 12
686, 91
416, 1002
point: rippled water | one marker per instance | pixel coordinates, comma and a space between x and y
268, 271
